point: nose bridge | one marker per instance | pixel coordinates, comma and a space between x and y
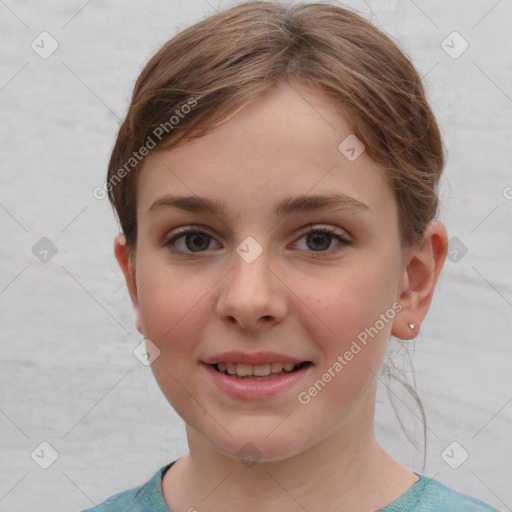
251, 292
251, 270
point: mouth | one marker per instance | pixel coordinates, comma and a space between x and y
258, 372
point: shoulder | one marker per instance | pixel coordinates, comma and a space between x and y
124, 501
437, 494
144, 498
429, 495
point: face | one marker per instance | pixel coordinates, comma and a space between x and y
306, 282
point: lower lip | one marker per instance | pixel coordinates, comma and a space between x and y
253, 389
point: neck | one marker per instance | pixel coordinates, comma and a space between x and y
347, 469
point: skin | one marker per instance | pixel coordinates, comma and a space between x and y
323, 455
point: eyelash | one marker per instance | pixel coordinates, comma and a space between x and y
169, 242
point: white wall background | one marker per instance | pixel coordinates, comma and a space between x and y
67, 373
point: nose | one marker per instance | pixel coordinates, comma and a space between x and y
252, 295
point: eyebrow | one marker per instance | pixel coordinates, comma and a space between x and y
288, 205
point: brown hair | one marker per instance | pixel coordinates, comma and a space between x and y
208, 72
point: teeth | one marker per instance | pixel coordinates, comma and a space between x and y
260, 370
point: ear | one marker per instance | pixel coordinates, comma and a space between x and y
127, 264
422, 266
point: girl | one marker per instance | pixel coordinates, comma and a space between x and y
275, 180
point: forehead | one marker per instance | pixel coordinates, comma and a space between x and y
285, 143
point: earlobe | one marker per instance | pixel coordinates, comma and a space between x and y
422, 267
127, 265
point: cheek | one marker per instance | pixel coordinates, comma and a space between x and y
352, 335
350, 301
172, 304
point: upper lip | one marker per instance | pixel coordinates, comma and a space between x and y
255, 358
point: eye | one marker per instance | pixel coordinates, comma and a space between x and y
187, 239
192, 240
319, 240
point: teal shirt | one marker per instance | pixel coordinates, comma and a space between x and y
424, 496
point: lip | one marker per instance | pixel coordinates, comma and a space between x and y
257, 389
254, 359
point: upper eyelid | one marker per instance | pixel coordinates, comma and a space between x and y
193, 228
183, 230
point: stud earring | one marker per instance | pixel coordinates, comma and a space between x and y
412, 326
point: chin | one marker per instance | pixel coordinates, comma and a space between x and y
257, 448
